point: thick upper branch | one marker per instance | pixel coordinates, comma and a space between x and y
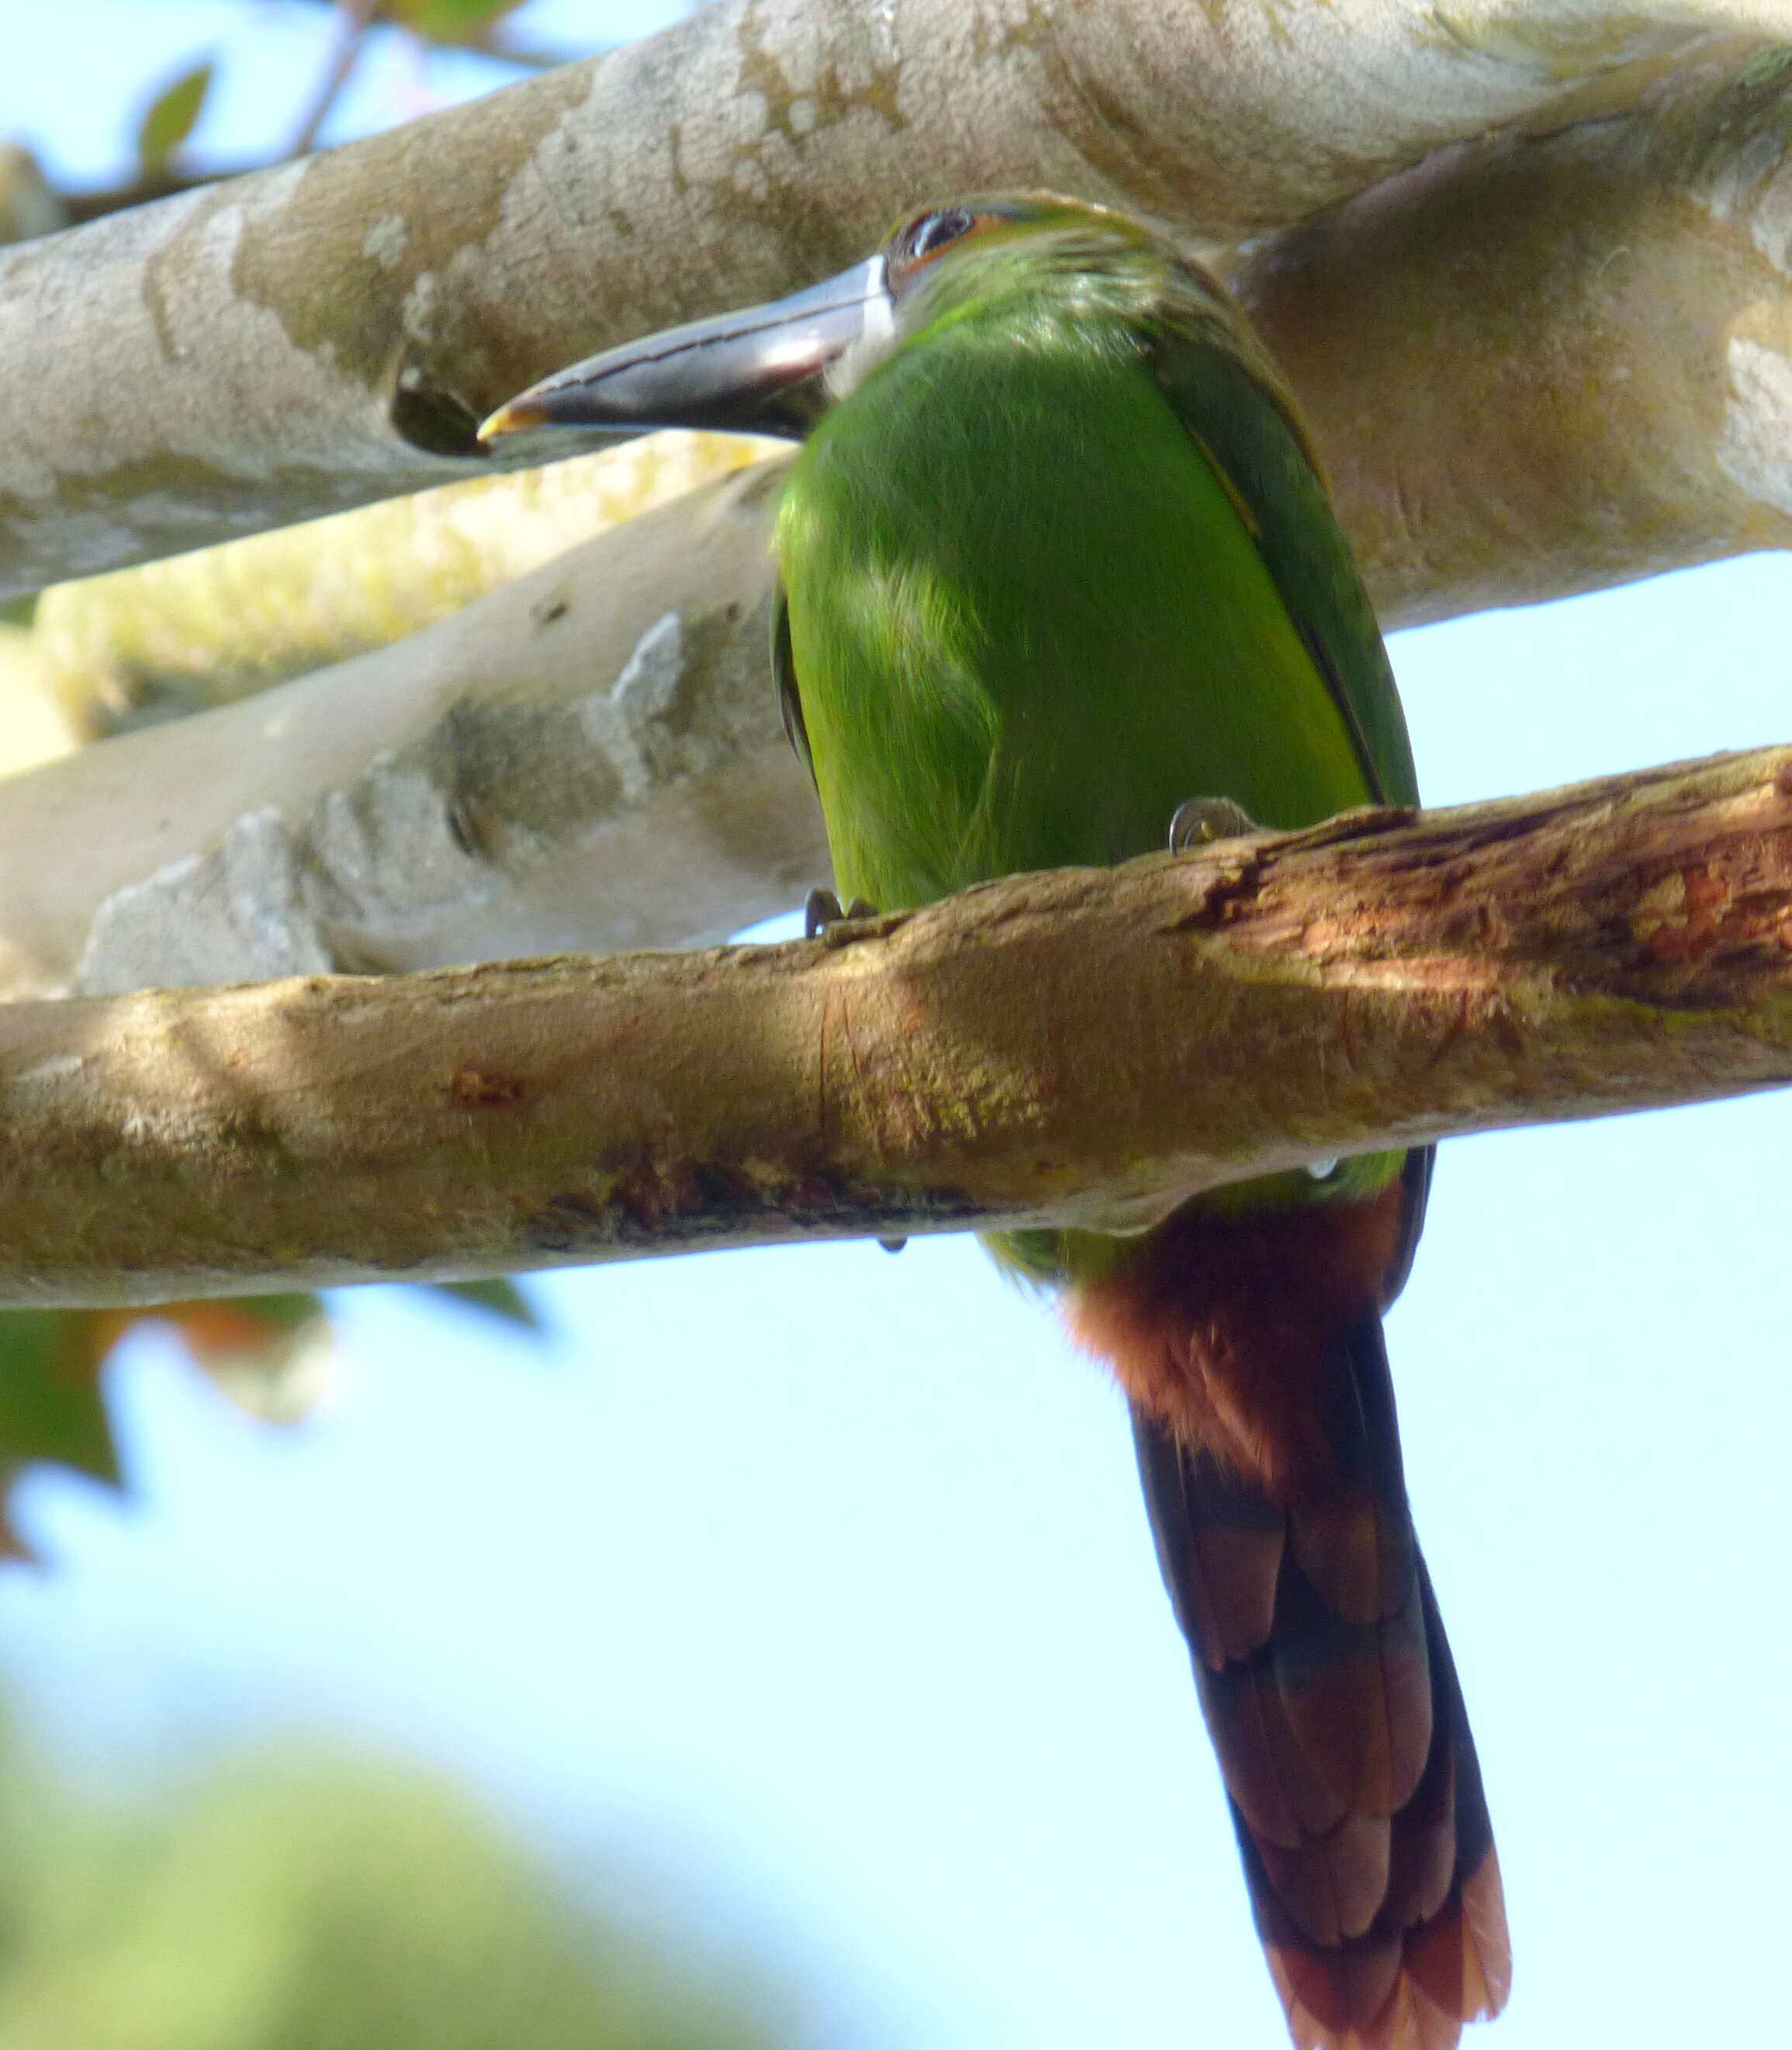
279, 346
591, 757
1555, 359
1087, 1044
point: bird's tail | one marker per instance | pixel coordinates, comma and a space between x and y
1252, 1348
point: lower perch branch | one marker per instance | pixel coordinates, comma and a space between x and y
1084, 1046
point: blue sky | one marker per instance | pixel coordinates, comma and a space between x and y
813, 1583
76, 75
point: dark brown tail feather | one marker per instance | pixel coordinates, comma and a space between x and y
1319, 1657
1436, 1955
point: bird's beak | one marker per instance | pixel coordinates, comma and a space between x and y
763, 370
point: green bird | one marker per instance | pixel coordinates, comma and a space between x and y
1058, 568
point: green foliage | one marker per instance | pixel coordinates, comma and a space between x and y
447, 21
292, 1904
269, 1353
499, 1298
49, 1395
172, 115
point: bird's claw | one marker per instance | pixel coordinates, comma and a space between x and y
822, 909
1198, 821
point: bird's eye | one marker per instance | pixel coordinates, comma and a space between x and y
932, 232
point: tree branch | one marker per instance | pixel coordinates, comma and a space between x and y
33, 727
1085, 1045
590, 757
1558, 358
222, 623
286, 344
354, 18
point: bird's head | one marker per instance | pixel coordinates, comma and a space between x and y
776, 369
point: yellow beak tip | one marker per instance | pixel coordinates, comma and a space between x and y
507, 420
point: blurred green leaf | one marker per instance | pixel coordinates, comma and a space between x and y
299, 1902
501, 1298
270, 1355
50, 1406
267, 1352
171, 117
446, 20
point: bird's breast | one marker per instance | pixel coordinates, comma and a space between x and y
1027, 620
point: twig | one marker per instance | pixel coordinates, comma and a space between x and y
354, 18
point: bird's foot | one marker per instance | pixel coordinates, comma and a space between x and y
822, 909
1197, 820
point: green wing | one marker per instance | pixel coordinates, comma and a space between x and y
1253, 438
1230, 400
783, 674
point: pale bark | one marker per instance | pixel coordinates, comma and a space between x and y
590, 757
33, 728
1543, 363
281, 345
1085, 1046
222, 623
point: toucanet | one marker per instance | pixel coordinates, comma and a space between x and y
1057, 568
